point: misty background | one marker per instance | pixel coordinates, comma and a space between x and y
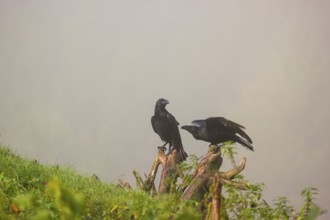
79, 81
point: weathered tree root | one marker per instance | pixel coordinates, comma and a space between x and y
206, 180
202, 177
168, 177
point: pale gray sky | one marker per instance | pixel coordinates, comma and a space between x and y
79, 81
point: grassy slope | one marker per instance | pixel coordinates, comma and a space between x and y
29, 190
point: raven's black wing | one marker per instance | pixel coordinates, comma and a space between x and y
223, 123
176, 137
172, 120
153, 123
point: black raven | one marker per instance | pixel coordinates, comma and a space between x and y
166, 126
217, 130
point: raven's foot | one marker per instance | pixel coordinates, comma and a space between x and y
162, 148
214, 147
171, 148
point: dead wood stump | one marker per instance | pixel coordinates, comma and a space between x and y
206, 184
169, 173
202, 177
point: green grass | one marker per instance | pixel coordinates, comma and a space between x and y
29, 190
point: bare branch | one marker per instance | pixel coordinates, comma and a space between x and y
231, 173
216, 198
238, 185
138, 179
122, 184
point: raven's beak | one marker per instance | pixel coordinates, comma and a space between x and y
185, 127
165, 102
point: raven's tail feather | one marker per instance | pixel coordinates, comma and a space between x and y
179, 147
183, 154
244, 135
244, 143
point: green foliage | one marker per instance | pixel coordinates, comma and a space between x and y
186, 170
309, 209
248, 204
69, 203
29, 190
308, 194
228, 149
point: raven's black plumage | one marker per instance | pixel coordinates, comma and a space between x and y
166, 126
218, 130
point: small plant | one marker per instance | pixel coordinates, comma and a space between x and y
186, 170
